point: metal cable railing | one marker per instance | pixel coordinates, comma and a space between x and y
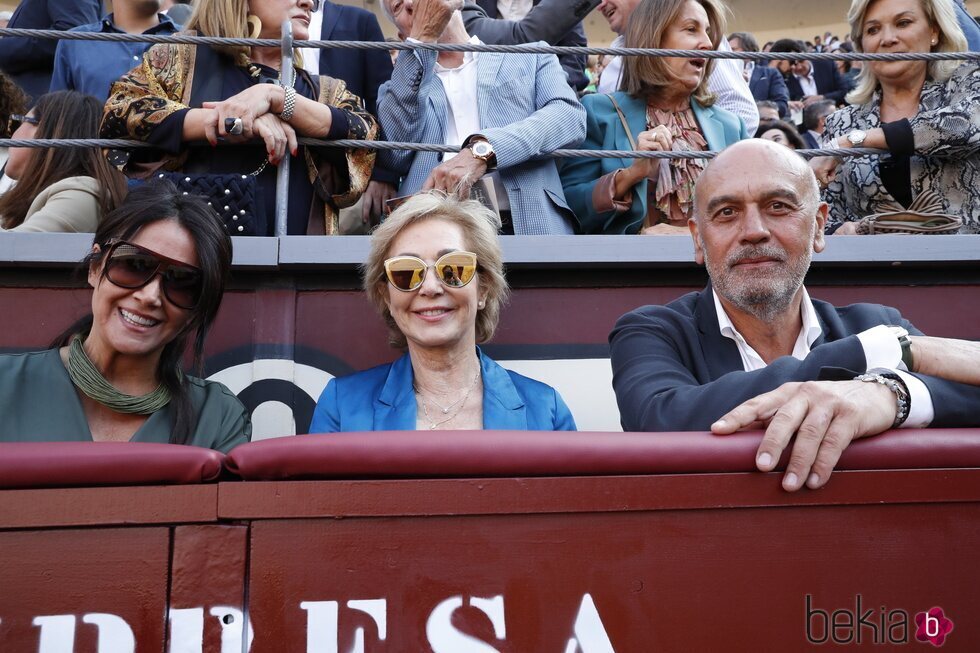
286, 43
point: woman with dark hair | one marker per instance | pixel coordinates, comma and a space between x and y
59, 189
183, 98
12, 102
444, 380
158, 267
780, 131
664, 105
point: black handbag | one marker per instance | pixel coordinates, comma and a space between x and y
234, 197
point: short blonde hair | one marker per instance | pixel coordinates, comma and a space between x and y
939, 13
644, 77
479, 225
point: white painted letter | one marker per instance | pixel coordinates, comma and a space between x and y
321, 626
590, 634
115, 635
57, 633
377, 609
186, 630
444, 638
231, 629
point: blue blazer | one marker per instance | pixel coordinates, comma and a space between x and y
527, 110
382, 399
674, 371
768, 84
604, 131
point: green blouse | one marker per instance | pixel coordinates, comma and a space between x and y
39, 403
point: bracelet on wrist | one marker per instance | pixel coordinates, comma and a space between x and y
288, 103
896, 384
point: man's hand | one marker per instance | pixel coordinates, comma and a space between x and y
847, 229
430, 17
373, 202
825, 416
825, 169
457, 175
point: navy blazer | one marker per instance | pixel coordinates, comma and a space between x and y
364, 71
382, 399
768, 84
830, 82
29, 61
674, 371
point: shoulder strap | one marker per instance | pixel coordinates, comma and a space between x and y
622, 118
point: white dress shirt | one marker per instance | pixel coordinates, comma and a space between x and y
881, 350
514, 9
807, 83
311, 56
725, 81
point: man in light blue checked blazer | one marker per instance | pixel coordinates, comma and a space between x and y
505, 110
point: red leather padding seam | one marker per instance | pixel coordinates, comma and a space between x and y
85, 464
417, 454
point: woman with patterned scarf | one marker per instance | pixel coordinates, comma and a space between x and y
663, 105
184, 99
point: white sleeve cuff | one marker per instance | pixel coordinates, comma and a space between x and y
881, 349
921, 411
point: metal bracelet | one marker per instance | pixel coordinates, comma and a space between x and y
288, 103
902, 398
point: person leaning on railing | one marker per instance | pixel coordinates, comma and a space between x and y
435, 273
925, 113
185, 94
64, 189
665, 106
158, 267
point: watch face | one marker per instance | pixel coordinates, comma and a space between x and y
481, 149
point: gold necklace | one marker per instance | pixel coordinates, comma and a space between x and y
445, 410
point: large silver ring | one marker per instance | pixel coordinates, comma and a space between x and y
234, 126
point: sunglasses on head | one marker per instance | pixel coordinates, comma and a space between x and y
16, 120
131, 266
454, 270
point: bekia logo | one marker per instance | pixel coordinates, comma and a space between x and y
933, 626
881, 626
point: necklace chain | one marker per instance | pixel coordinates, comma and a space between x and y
445, 409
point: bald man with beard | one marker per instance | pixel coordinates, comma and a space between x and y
754, 349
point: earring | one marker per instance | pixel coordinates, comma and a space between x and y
482, 304
935, 41
254, 26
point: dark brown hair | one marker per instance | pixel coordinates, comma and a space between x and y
12, 100
63, 114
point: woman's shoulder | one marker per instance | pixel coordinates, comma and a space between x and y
212, 394
26, 361
365, 381
81, 183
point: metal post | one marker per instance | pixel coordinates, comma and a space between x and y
286, 78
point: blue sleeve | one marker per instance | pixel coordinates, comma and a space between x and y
969, 26
779, 94
19, 54
326, 415
61, 78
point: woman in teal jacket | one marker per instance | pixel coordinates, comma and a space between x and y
665, 104
444, 381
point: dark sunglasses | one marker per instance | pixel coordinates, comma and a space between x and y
16, 120
454, 270
131, 266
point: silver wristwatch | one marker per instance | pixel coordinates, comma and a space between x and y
857, 137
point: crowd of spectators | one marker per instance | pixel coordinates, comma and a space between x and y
502, 110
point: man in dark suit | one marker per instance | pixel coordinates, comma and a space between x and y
754, 348
364, 71
809, 81
30, 61
766, 83
814, 118
557, 22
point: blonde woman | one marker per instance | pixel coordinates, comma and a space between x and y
924, 113
183, 95
435, 273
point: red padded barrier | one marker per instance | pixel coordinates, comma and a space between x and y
422, 454
72, 464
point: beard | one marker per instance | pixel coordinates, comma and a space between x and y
764, 294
